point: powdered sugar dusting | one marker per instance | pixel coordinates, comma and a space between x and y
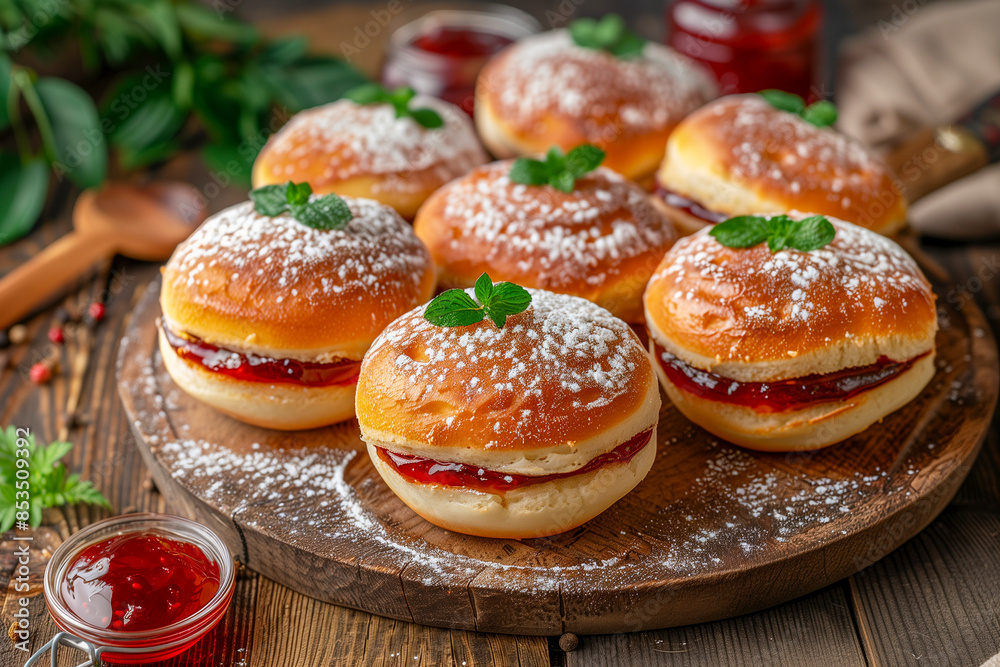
238, 250
554, 239
548, 73
358, 140
536, 379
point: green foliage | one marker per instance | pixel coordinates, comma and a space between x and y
780, 232
45, 483
821, 113
558, 170
455, 308
326, 212
373, 93
185, 75
608, 34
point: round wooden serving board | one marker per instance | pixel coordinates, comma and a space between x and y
713, 531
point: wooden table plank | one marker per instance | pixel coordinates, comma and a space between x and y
815, 630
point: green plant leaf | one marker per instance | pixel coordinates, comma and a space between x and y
583, 33
453, 308
821, 114
298, 193
630, 46
160, 20
22, 195
743, 231
509, 298
6, 67
326, 212
284, 51
609, 29
236, 162
812, 233
583, 159
529, 172
368, 93
80, 149
153, 121
779, 99
182, 85
484, 288
563, 181
428, 118
609, 34
270, 200
779, 229
201, 22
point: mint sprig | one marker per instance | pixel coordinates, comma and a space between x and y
609, 34
46, 485
455, 308
821, 113
373, 93
558, 170
326, 212
780, 232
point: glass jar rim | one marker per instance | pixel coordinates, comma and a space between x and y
497, 19
167, 525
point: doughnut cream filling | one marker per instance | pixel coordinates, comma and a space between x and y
689, 206
429, 471
784, 395
250, 367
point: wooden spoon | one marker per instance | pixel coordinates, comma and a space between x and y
144, 222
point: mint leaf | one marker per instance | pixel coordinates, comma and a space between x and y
529, 172
326, 212
557, 169
563, 181
484, 288
812, 233
298, 194
428, 118
367, 93
743, 231
400, 98
584, 158
821, 114
456, 308
453, 308
780, 232
270, 200
779, 99
609, 34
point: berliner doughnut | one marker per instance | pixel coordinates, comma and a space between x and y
366, 151
791, 350
267, 319
546, 90
739, 155
523, 431
602, 241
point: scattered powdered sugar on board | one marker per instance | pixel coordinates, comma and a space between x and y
236, 249
555, 238
360, 140
548, 73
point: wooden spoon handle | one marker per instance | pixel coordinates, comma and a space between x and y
30, 285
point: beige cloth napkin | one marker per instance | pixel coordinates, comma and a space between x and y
927, 65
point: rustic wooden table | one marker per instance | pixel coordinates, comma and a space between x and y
934, 601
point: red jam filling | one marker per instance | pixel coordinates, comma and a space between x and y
252, 368
139, 582
429, 471
784, 395
460, 42
689, 206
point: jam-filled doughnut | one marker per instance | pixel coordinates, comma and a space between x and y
267, 319
791, 350
545, 90
521, 431
739, 155
602, 241
364, 150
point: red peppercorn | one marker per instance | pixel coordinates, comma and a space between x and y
40, 373
96, 311
56, 335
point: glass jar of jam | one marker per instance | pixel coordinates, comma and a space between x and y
751, 45
440, 53
142, 587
